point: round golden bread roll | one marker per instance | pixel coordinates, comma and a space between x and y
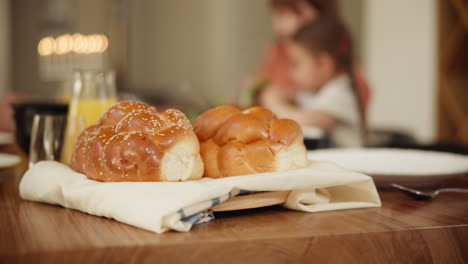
132, 141
235, 142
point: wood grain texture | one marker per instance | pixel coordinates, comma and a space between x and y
254, 200
401, 231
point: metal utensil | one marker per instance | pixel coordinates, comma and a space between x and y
426, 195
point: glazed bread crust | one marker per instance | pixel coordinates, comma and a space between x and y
235, 142
132, 141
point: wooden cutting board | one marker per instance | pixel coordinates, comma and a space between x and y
250, 201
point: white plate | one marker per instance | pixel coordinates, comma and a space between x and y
6, 138
413, 168
8, 160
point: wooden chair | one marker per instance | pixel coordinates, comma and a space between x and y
453, 72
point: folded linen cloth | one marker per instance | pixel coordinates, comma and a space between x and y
163, 206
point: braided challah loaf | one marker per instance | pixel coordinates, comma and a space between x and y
134, 142
234, 142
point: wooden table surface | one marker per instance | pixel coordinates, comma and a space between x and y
403, 230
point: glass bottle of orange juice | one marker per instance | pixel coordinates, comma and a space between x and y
93, 92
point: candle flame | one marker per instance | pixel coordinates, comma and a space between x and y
76, 43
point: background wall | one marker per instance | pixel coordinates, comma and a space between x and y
32, 20
209, 45
25, 36
400, 62
353, 15
4, 47
206, 47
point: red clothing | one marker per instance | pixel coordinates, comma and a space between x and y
276, 66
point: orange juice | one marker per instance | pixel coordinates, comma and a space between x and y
90, 109
82, 113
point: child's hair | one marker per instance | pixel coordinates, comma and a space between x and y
328, 34
323, 6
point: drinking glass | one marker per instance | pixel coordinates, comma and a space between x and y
46, 137
93, 92
75, 126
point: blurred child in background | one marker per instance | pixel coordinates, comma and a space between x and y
288, 16
322, 63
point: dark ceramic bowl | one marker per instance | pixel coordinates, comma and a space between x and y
23, 114
313, 137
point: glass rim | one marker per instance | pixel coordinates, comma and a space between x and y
51, 115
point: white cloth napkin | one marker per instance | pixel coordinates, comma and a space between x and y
163, 206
